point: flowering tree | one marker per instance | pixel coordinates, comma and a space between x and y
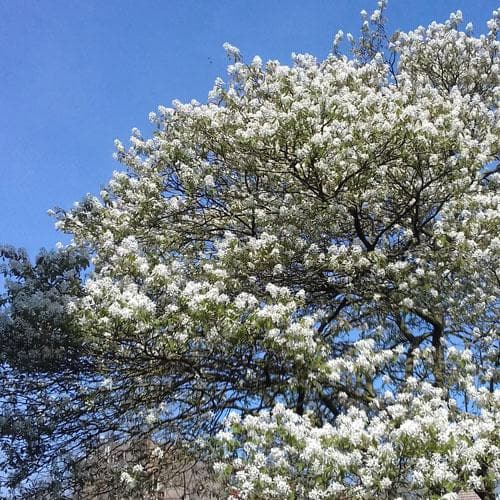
298, 279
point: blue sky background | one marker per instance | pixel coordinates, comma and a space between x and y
75, 75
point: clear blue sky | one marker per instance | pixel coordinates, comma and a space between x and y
74, 75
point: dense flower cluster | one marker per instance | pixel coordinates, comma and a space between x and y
414, 441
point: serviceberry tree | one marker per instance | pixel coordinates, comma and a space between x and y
297, 280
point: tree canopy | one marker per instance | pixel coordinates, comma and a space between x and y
296, 281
